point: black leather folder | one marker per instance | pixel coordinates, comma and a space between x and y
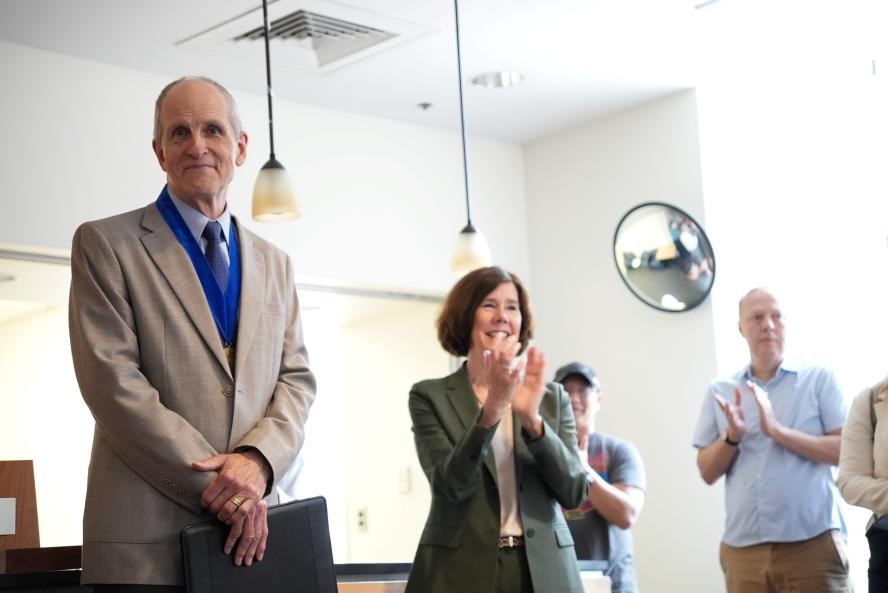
298, 558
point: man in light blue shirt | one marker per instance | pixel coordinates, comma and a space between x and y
773, 430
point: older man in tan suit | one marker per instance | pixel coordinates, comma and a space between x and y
187, 344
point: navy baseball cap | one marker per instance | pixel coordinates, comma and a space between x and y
576, 368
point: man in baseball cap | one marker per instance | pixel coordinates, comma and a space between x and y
600, 526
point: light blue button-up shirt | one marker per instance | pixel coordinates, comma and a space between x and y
197, 222
771, 493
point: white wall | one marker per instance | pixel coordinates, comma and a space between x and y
382, 206
359, 451
796, 201
376, 389
654, 366
382, 201
794, 188
43, 418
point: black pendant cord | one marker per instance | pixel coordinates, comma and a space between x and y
462, 117
268, 78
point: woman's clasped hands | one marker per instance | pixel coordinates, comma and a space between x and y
508, 379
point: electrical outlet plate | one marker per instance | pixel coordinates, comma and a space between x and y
362, 519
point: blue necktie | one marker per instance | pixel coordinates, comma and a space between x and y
215, 253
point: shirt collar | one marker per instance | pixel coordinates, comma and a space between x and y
196, 221
787, 366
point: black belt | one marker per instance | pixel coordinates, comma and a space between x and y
511, 541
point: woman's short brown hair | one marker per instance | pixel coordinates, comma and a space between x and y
457, 317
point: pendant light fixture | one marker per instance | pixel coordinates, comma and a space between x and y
273, 197
471, 250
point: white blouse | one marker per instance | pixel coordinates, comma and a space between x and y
503, 446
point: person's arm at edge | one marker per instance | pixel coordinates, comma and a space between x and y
856, 481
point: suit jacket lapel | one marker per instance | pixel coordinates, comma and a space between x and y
173, 262
252, 295
464, 402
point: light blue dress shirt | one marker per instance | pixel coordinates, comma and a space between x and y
771, 493
196, 222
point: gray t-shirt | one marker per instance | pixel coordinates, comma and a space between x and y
617, 462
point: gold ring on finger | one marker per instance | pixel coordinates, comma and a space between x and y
236, 501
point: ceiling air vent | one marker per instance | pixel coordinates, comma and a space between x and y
314, 35
329, 37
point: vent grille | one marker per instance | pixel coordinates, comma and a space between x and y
303, 24
329, 37
316, 36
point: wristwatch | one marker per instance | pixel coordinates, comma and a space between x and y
730, 442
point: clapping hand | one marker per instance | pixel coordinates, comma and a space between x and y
529, 392
495, 384
767, 421
734, 415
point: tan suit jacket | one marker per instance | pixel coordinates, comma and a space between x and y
151, 368
863, 463
458, 548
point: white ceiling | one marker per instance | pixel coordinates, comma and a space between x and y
581, 58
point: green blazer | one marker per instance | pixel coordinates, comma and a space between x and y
457, 551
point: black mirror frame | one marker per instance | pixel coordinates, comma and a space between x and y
703, 237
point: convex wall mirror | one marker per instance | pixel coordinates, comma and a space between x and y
664, 257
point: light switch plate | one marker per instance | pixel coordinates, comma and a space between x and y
7, 516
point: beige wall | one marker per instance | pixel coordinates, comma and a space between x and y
403, 350
654, 366
43, 418
82, 151
383, 203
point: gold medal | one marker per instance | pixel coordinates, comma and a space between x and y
229, 356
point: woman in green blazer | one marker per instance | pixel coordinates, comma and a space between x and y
498, 446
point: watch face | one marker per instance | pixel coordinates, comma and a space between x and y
664, 257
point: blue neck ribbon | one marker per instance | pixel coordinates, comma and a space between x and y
223, 305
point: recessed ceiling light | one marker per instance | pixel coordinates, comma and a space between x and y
705, 4
498, 80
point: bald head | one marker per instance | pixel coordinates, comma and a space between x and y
755, 292
761, 324
233, 115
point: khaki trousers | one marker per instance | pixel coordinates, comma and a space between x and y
816, 565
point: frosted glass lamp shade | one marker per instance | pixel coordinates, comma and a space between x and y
273, 197
471, 253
